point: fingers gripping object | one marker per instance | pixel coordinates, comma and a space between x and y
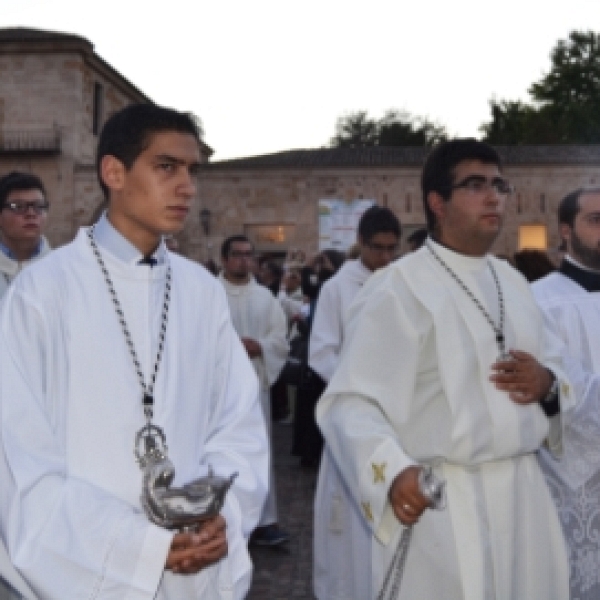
432, 488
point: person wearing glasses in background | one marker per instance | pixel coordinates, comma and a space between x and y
23, 215
446, 364
340, 542
260, 322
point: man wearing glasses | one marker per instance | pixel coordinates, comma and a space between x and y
446, 365
23, 214
341, 539
261, 324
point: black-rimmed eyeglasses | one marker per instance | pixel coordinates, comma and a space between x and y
22, 208
477, 184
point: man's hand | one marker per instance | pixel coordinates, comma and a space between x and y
523, 377
191, 552
406, 498
253, 348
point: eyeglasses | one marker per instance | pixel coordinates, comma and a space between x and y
22, 208
478, 184
238, 254
383, 249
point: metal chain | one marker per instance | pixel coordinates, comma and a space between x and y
396, 568
498, 329
148, 390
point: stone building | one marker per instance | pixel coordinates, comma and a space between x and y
55, 94
275, 198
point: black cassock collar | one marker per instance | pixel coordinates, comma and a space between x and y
588, 280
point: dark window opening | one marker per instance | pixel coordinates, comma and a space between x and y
98, 108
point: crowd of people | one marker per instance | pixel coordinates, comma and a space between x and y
449, 402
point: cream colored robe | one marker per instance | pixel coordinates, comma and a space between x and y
341, 543
412, 387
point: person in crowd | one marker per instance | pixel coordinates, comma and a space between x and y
23, 215
534, 264
259, 321
570, 301
290, 294
335, 551
270, 275
112, 343
446, 364
283, 392
308, 441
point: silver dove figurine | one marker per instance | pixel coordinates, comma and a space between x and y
182, 508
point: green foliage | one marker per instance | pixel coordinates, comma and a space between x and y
566, 101
396, 128
355, 130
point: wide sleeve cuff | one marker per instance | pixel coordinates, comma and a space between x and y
378, 474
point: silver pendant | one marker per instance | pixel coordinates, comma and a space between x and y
182, 508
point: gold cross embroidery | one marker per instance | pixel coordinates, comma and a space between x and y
367, 510
564, 390
379, 472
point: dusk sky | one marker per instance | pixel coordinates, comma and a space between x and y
267, 76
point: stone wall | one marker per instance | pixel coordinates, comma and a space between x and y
54, 90
242, 198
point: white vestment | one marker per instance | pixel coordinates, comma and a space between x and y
71, 404
257, 314
342, 541
574, 314
412, 387
10, 268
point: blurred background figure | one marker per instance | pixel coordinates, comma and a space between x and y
261, 324
23, 214
270, 275
308, 441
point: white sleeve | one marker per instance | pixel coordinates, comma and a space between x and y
326, 333
274, 344
67, 537
368, 390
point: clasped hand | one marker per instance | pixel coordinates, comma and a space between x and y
523, 377
191, 552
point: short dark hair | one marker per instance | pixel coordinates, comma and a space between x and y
438, 171
128, 132
378, 219
226, 246
17, 180
569, 205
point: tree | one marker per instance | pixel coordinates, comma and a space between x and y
571, 90
396, 128
514, 123
402, 129
566, 106
355, 130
